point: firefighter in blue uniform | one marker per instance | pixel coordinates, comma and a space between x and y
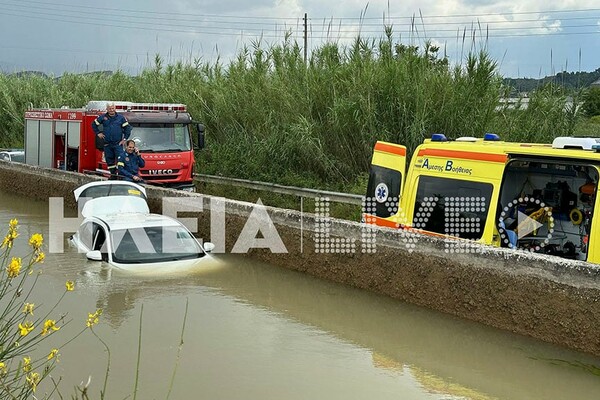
130, 162
116, 131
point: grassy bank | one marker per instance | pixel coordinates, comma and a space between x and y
271, 117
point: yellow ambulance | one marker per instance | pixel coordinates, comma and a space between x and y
529, 196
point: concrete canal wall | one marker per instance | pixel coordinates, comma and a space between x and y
554, 300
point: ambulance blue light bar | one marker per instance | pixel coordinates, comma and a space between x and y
491, 137
438, 137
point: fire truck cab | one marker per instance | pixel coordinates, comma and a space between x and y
63, 138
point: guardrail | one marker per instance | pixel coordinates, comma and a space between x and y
273, 187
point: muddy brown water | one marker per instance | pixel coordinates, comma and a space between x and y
255, 331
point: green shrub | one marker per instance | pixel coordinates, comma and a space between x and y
591, 102
595, 119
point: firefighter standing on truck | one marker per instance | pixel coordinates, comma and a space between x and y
115, 132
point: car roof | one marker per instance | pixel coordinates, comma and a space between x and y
137, 220
122, 205
13, 151
134, 188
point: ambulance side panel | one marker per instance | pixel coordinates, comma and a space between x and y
452, 191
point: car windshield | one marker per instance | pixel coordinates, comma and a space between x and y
161, 137
109, 189
154, 244
18, 157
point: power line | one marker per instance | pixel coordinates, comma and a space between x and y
276, 31
276, 28
161, 14
265, 29
494, 14
144, 28
145, 19
146, 25
272, 34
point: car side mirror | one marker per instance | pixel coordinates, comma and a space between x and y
200, 139
94, 255
208, 246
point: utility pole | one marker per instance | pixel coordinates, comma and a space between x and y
305, 36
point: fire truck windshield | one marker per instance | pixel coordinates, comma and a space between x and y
161, 137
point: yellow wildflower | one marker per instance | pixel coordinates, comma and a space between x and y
11, 235
28, 308
53, 353
14, 267
25, 328
33, 379
36, 241
70, 286
39, 258
9, 238
93, 318
49, 326
3, 369
26, 364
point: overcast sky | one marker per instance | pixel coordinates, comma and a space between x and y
532, 38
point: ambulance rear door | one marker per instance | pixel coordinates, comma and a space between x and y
386, 180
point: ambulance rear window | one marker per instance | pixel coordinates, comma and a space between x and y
384, 189
452, 206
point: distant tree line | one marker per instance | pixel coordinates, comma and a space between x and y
569, 80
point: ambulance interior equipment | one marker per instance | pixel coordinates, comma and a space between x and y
556, 194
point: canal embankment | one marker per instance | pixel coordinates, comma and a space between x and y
551, 299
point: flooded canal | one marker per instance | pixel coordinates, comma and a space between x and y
255, 331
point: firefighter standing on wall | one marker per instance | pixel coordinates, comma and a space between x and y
116, 131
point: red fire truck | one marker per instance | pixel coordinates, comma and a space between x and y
63, 138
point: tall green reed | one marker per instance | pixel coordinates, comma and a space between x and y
271, 116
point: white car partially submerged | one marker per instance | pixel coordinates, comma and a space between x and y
119, 229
